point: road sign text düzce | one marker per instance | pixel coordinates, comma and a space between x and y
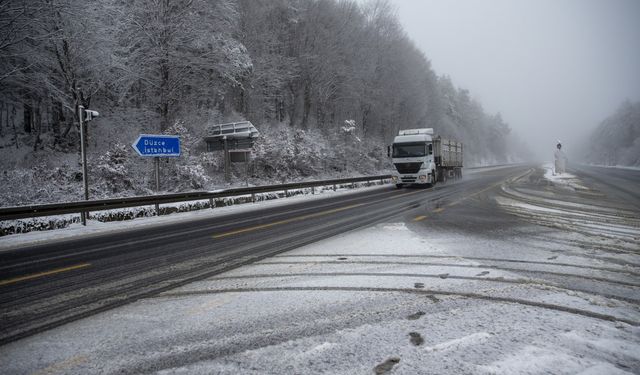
152, 145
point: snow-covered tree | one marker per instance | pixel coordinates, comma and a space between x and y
174, 52
616, 141
298, 69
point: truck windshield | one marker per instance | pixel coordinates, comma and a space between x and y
408, 150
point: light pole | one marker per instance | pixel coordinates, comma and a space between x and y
83, 151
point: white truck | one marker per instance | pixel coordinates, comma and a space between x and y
422, 158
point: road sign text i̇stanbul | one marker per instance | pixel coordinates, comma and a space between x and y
154, 145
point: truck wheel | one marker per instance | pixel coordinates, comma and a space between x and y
399, 186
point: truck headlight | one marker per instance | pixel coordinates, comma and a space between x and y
394, 178
423, 178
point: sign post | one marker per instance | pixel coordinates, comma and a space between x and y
231, 138
157, 163
227, 172
157, 146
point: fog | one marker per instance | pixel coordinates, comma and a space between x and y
553, 69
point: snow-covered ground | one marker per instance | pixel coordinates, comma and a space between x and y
563, 179
307, 311
629, 167
415, 295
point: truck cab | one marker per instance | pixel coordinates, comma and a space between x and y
413, 157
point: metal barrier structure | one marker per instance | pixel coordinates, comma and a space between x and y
22, 212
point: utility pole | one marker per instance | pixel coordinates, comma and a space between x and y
83, 151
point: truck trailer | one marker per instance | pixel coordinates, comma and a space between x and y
422, 158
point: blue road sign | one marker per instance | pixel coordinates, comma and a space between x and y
153, 145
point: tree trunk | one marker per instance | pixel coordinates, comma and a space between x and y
306, 108
293, 105
365, 121
37, 124
13, 124
138, 94
164, 114
57, 118
320, 116
27, 117
70, 123
4, 108
164, 98
281, 109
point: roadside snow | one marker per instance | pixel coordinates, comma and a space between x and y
563, 179
633, 168
95, 227
536, 360
477, 338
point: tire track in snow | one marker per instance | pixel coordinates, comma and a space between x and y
454, 265
549, 306
498, 260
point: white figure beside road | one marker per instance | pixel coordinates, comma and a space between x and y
560, 159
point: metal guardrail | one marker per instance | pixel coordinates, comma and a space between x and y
495, 166
52, 209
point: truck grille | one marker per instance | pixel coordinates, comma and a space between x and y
408, 167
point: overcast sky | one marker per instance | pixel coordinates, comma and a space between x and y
553, 68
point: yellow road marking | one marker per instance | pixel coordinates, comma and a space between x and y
60, 367
287, 221
217, 302
263, 226
419, 218
477, 193
438, 210
41, 274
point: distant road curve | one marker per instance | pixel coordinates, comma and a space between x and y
618, 181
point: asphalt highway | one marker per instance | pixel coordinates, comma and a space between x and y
621, 183
48, 285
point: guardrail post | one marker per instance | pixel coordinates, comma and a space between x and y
211, 203
286, 193
334, 187
313, 190
253, 197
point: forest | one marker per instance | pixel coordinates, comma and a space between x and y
327, 83
616, 140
